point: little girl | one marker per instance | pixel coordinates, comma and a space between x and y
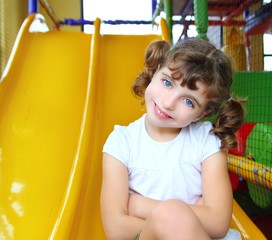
165, 175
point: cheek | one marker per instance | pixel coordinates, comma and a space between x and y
151, 91
147, 93
185, 114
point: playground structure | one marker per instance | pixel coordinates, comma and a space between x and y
226, 12
55, 118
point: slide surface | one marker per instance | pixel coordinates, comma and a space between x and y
42, 97
60, 97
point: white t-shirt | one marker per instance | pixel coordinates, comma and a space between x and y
163, 170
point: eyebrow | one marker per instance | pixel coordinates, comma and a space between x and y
188, 95
167, 75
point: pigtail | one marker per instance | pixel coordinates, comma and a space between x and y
155, 56
230, 118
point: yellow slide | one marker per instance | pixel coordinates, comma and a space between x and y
60, 96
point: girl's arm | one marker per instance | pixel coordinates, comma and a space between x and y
216, 209
117, 222
140, 206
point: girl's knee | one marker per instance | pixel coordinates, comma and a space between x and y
173, 214
171, 220
172, 209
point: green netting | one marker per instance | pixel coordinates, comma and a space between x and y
259, 146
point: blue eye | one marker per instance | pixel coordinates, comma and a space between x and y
167, 83
188, 102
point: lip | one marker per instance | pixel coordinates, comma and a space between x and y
159, 113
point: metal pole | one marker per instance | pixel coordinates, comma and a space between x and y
32, 6
168, 12
154, 5
201, 17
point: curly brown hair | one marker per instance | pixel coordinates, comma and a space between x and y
196, 60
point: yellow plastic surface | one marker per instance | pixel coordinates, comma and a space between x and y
42, 96
246, 168
246, 227
60, 97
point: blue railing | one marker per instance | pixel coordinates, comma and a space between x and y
33, 7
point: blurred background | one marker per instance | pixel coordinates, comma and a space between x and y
13, 13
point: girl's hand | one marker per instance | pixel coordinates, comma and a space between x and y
139, 206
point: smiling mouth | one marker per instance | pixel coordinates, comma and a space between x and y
160, 113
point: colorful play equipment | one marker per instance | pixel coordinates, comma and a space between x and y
252, 159
259, 147
59, 101
258, 22
235, 48
250, 170
241, 135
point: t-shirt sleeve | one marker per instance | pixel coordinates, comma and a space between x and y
211, 143
212, 146
117, 144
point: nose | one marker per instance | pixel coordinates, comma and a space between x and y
169, 102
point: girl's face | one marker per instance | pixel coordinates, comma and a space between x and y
169, 105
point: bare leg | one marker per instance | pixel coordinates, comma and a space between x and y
173, 220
